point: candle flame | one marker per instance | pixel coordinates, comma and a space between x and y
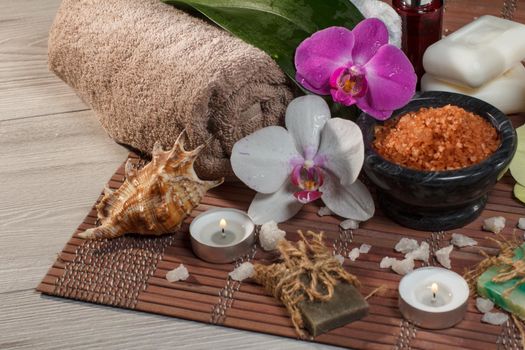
223, 224
434, 287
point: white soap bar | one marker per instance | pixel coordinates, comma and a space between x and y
477, 53
507, 92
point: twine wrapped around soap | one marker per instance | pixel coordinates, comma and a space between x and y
308, 271
510, 269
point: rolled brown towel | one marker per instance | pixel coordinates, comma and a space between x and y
149, 70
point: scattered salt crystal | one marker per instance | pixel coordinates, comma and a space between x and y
270, 235
484, 305
461, 241
494, 224
402, 267
242, 272
354, 254
178, 274
386, 262
406, 245
365, 248
339, 258
421, 253
443, 256
495, 318
324, 211
349, 224
521, 223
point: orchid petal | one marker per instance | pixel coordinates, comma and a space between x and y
262, 160
391, 82
319, 55
352, 202
385, 12
342, 149
306, 197
369, 36
305, 118
323, 90
278, 206
295, 177
336, 75
342, 98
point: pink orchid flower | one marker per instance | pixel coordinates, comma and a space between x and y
314, 157
357, 67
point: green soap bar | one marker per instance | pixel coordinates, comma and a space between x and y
515, 301
347, 305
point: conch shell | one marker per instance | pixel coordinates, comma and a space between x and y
155, 199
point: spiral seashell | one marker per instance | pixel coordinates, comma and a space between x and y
154, 200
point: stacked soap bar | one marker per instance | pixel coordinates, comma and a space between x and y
515, 301
507, 93
482, 59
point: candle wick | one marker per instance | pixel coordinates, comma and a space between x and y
223, 235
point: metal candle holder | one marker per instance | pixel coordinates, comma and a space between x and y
208, 223
426, 315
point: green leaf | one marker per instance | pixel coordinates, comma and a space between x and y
517, 166
276, 26
519, 192
338, 110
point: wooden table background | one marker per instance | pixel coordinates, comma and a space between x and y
46, 189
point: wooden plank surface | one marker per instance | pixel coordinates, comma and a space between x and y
26, 85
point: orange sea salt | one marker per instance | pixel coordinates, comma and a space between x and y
435, 139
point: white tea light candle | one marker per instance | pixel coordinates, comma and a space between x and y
222, 235
433, 297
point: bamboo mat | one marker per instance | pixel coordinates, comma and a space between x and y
129, 272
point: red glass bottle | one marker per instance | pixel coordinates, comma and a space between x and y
422, 25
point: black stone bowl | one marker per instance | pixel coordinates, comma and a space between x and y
438, 200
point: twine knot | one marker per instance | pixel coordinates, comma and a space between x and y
308, 271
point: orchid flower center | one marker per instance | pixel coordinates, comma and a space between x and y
309, 178
309, 164
350, 81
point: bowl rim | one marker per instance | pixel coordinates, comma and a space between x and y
508, 144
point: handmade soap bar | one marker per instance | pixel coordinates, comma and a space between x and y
515, 301
507, 92
347, 305
478, 52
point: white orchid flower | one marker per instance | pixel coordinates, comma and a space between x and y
316, 156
